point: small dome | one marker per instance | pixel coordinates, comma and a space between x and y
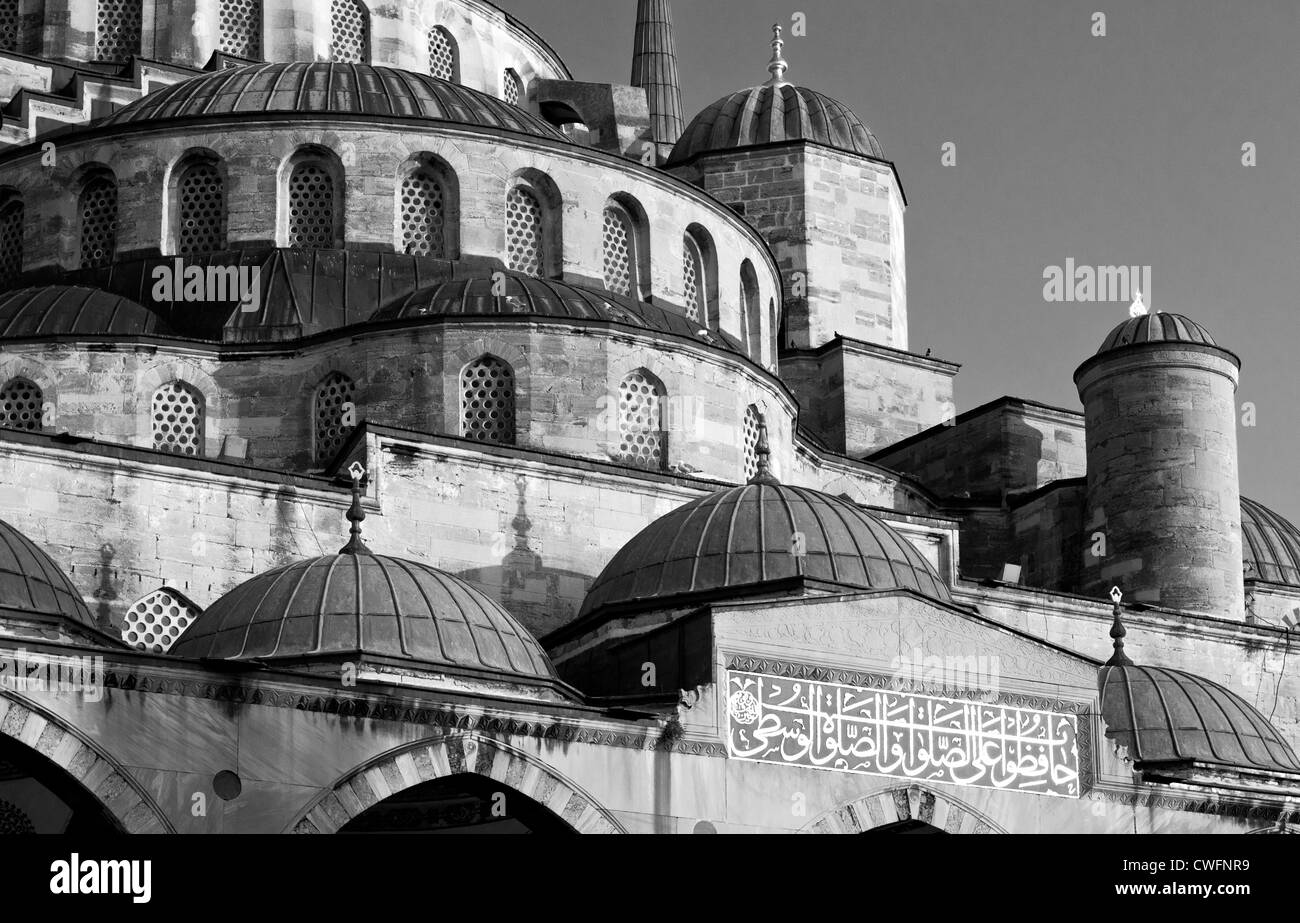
33, 586
744, 536
767, 114
1156, 328
363, 603
524, 296
330, 89
1270, 545
74, 310
1167, 716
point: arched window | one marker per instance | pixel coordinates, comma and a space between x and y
349, 32
512, 87
444, 60
117, 30
240, 23
20, 405
752, 419
487, 401
695, 281
620, 251
178, 419
424, 199
751, 322
11, 240
9, 25
155, 622
641, 437
525, 251
312, 206
335, 413
97, 207
200, 209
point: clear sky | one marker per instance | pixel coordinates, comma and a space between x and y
1116, 150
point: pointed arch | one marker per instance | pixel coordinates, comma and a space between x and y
625, 243
197, 194
700, 260
97, 217
534, 225
178, 411
444, 55
349, 32
751, 316
642, 435
904, 803
428, 208
334, 415
312, 191
749, 440
487, 400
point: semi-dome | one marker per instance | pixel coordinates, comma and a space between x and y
746, 535
1270, 545
1158, 327
330, 89
32, 586
524, 296
75, 310
1169, 717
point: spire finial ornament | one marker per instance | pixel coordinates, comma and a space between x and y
1137, 308
763, 458
1117, 633
356, 513
777, 66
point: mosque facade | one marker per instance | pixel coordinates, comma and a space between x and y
400, 434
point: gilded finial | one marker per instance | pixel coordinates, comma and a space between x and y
763, 457
356, 513
777, 66
1117, 633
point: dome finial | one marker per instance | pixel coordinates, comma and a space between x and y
777, 66
763, 473
356, 513
1117, 633
1137, 308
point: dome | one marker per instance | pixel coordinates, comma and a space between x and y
33, 586
743, 536
330, 89
74, 310
1158, 327
1270, 545
767, 114
525, 295
369, 604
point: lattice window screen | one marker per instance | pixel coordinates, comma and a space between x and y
619, 259
14, 820
311, 207
11, 242
512, 87
524, 251
9, 23
694, 282
117, 30
487, 401
20, 405
178, 419
98, 207
156, 622
202, 221
442, 54
640, 421
349, 32
752, 419
240, 23
424, 210
335, 414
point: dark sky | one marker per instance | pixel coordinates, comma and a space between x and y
1121, 150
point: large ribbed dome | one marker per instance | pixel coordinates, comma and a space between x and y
363, 603
1158, 327
330, 89
1270, 545
33, 586
744, 536
767, 114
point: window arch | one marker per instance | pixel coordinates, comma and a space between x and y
335, 413
178, 419
753, 418
10, 25
751, 322
200, 197
97, 210
21, 403
427, 209
512, 87
444, 56
349, 32
117, 30
240, 27
155, 622
694, 281
487, 401
641, 437
11, 240
314, 201
525, 243
626, 249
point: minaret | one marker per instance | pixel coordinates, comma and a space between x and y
654, 69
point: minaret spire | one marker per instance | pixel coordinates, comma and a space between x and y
778, 65
654, 69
